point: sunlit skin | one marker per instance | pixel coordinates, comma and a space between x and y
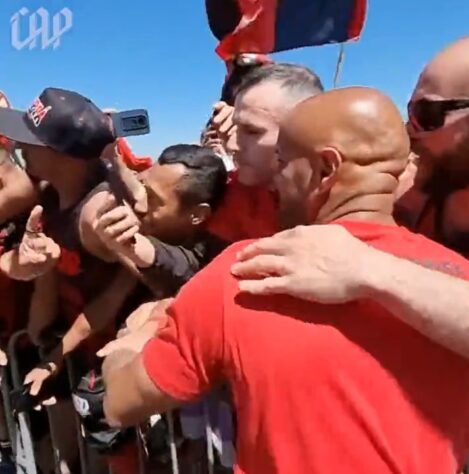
353, 156
257, 116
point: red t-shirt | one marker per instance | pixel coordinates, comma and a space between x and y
321, 388
247, 212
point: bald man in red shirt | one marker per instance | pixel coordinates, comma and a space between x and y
318, 388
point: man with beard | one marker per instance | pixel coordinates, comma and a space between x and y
439, 130
264, 346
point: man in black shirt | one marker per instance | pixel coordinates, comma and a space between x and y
170, 244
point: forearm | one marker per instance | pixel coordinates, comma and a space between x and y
122, 407
44, 304
116, 361
131, 397
433, 303
96, 317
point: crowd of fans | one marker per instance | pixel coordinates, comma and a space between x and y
299, 279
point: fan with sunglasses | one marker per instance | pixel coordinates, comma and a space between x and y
428, 115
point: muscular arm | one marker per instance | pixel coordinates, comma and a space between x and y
44, 305
179, 365
433, 303
96, 316
131, 396
326, 264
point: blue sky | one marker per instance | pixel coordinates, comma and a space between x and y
160, 55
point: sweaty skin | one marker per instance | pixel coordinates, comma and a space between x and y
357, 151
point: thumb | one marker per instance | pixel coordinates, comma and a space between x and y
105, 351
35, 220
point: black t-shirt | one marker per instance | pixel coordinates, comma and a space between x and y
175, 265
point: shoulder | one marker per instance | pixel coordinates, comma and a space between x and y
432, 255
210, 282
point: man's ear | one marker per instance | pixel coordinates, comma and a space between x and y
200, 213
331, 161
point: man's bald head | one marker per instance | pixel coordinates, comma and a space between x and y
362, 124
447, 75
356, 144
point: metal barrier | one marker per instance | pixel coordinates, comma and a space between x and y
19, 427
21, 438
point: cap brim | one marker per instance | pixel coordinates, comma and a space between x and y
13, 126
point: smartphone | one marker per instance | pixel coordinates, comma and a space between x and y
130, 122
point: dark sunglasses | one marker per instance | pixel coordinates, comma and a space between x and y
428, 115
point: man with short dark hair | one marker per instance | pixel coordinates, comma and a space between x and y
170, 243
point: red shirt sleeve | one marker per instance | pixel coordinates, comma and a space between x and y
186, 358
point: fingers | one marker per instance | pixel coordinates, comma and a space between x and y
267, 286
226, 126
3, 359
36, 387
36, 379
35, 220
109, 204
115, 215
53, 250
119, 224
123, 332
38, 250
29, 378
46, 403
49, 402
261, 266
128, 235
138, 317
108, 349
111, 347
223, 119
270, 245
29, 256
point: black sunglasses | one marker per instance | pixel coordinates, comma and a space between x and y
430, 115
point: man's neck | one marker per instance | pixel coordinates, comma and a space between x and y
71, 184
371, 208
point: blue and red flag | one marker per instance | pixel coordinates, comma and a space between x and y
267, 26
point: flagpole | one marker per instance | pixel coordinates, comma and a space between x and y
338, 68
